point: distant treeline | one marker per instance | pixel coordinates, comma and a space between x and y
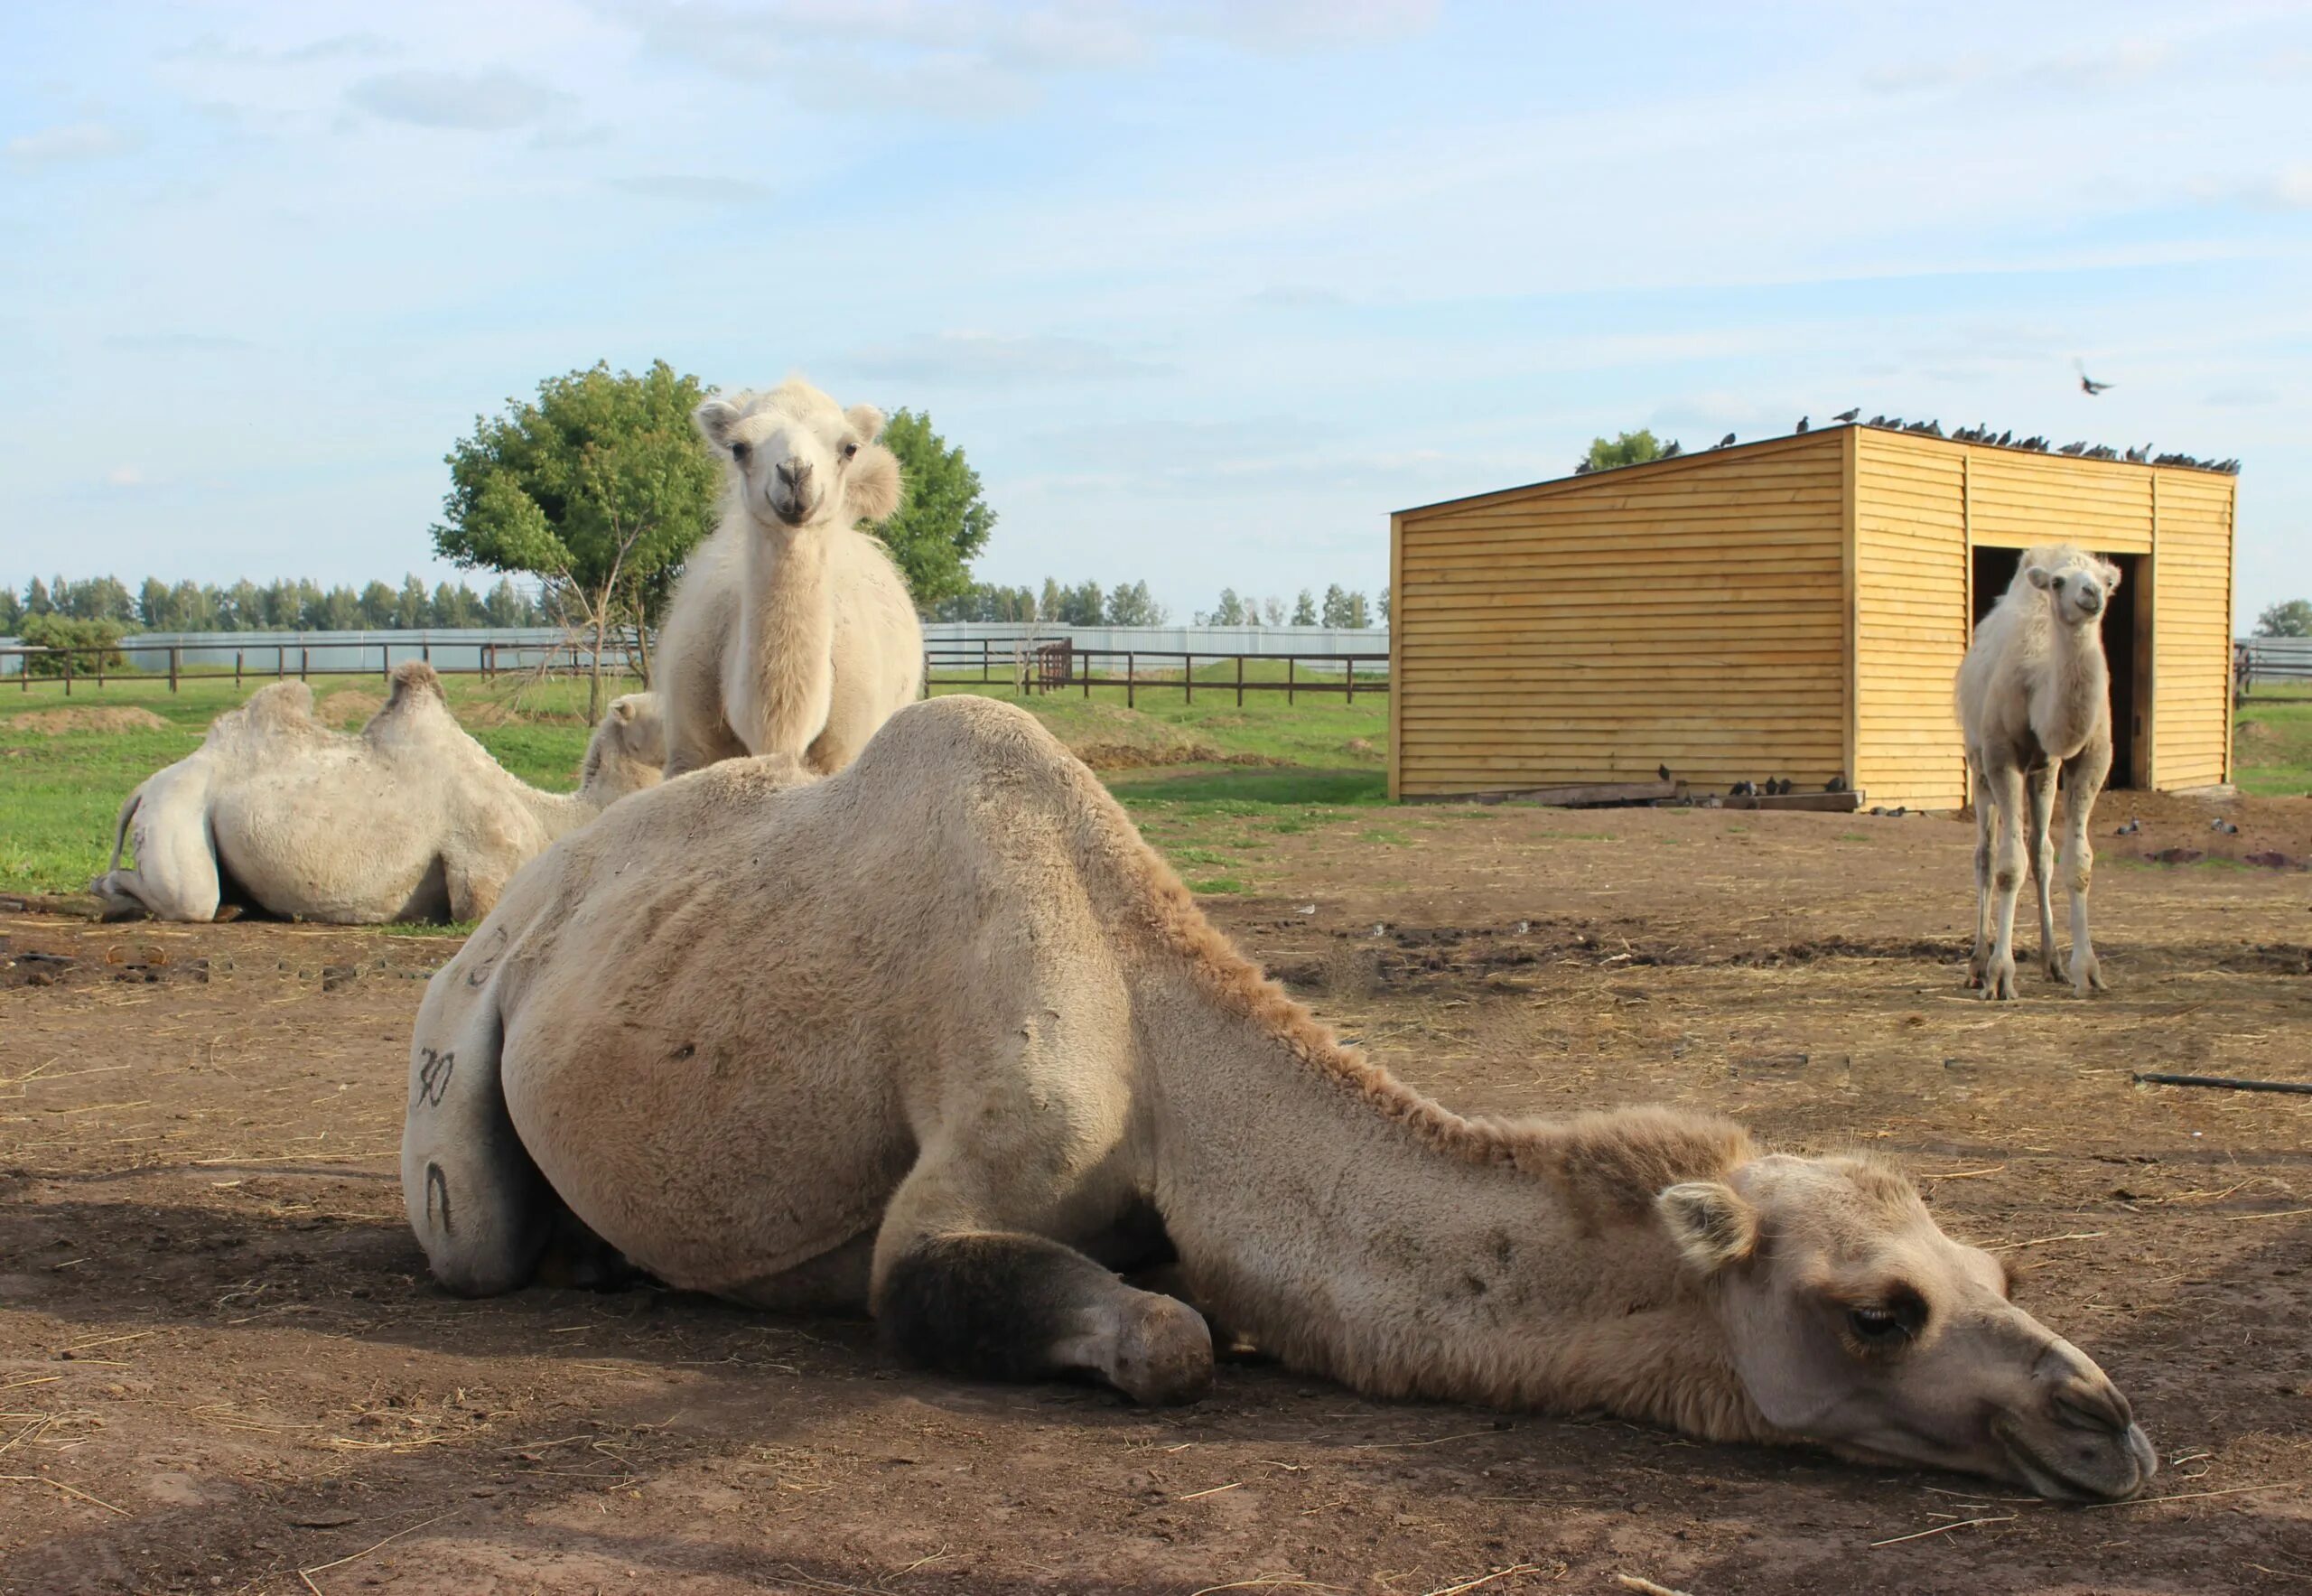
274, 606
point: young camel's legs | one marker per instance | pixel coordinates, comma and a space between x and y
2042, 785
963, 1282
2007, 879
2083, 778
1985, 813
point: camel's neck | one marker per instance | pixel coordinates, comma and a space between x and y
1354, 1228
2078, 689
787, 626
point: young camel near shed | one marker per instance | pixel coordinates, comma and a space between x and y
410, 820
941, 1037
2035, 701
792, 632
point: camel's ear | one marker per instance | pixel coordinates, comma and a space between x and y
2110, 574
623, 709
1711, 1223
2039, 576
714, 418
866, 421
874, 484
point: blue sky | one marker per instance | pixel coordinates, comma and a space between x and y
1205, 289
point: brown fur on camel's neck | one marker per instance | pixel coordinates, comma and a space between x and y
1619, 1323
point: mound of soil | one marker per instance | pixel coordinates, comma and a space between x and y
112, 718
348, 707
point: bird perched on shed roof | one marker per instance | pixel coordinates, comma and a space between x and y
1802, 426
1726, 442
1848, 416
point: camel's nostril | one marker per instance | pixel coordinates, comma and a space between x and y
2092, 1407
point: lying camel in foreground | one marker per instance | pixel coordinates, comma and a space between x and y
410, 820
941, 1036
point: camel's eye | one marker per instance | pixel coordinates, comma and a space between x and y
849, 448
742, 451
2059, 580
1886, 1324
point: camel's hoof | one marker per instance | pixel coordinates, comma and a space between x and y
2088, 980
1163, 1352
1998, 983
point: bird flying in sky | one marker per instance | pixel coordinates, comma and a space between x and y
2088, 385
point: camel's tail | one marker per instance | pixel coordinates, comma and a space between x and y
128, 807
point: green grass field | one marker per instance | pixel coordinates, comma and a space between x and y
2271, 743
1211, 783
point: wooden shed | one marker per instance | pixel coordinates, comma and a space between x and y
1795, 608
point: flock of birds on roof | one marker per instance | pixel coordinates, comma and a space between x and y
2081, 450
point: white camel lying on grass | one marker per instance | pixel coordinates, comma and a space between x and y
792, 632
941, 1037
408, 819
2034, 699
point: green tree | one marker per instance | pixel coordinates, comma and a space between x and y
85, 639
943, 520
1626, 449
1304, 609
2290, 620
600, 484
377, 603
1336, 610
1385, 603
1132, 604
11, 613
152, 605
1231, 610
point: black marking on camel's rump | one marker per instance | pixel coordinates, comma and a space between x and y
988, 1304
434, 1075
437, 1190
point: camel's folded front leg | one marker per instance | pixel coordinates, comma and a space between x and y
2042, 785
983, 1294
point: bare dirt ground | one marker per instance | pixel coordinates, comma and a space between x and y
222, 1367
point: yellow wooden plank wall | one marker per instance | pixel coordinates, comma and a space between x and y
1911, 617
2017, 501
2192, 634
1687, 613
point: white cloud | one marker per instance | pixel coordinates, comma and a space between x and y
482, 102
979, 58
989, 358
77, 141
691, 187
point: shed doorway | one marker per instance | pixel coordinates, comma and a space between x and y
2127, 649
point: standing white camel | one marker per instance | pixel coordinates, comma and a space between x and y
792, 632
2035, 700
411, 819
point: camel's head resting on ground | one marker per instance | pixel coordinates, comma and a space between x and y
798, 460
1854, 1321
2077, 584
628, 751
